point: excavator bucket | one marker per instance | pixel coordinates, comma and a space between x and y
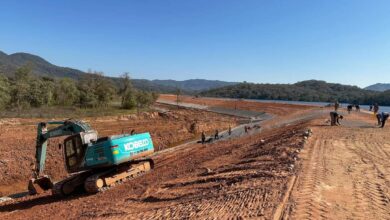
39, 185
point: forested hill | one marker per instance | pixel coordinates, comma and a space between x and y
40, 67
311, 90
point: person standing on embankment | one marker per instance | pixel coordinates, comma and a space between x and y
336, 106
349, 109
376, 108
203, 137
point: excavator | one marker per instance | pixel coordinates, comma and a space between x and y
93, 163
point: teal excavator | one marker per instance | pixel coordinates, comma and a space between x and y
94, 163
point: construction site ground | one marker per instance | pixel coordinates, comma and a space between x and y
281, 172
173, 127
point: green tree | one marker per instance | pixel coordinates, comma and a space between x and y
66, 92
104, 90
50, 88
37, 95
87, 96
127, 92
95, 90
5, 92
178, 93
20, 91
154, 96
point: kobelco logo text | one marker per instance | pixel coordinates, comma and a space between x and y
136, 144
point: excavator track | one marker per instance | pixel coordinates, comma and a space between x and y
67, 186
102, 181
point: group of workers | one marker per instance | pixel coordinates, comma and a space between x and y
350, 107
335, 117
216, 135
247, 129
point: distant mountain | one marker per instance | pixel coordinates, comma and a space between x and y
41, 67
380, 87
310, 90
9, 63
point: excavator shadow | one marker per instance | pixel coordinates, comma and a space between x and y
27, 203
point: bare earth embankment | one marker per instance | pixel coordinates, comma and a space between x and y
345, 172
338, 173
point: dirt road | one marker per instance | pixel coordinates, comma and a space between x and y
345, 172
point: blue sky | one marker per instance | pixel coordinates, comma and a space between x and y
257, 41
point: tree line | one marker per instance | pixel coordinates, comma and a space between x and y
94, 90
311, 90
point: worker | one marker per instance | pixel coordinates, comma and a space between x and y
376, 108
334, 118
349, 109
203, 137
230, 130
357, 106
216, 135
336, 105
382, 118
246, 129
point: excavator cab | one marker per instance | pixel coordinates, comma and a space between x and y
74, 150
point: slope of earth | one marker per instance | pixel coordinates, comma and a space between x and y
270, 108
17, 139
242, 178
345, 172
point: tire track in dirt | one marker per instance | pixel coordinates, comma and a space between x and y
306, 205
344, 175
235, 191
374, 192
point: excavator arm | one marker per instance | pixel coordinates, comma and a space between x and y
40, 182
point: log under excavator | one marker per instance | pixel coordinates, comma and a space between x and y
94, 163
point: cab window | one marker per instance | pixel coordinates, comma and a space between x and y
74, 153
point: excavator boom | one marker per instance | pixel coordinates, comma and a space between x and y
41, 182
